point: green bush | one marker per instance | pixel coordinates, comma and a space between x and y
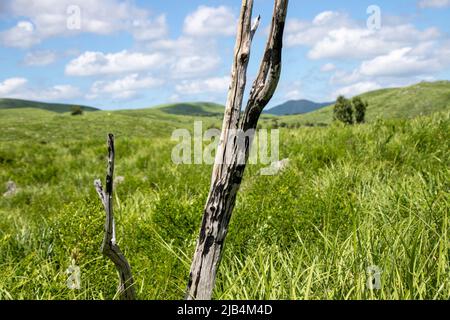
76, 111
360, 108
343, 110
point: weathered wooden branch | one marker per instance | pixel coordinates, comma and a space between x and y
109, 247
232, 153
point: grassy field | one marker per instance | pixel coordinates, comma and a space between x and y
352, 198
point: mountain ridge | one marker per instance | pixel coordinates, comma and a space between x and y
292, 107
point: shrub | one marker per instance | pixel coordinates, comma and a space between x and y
343, 110
360, 108
76, 111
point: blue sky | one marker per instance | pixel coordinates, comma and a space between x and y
117, 54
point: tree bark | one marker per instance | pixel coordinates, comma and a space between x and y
109, 247
232, 153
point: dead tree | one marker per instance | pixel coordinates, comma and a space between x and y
109, 247
232, 153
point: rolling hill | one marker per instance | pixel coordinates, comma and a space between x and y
407, 102
296, 107
193, 109
7, 103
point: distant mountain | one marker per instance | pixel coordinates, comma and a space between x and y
296, 107
7, 103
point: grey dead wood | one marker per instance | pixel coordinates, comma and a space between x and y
232, 154
109, 247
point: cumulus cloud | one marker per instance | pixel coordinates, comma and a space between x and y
188, 57
334, 35
400, 62
357, 88
307, 33
123, 88
147, 30
210, 21
403, 63
434, 3
22, 35
50, 18
194, 54
11, 86
98, 63
328, 67
399, 53
39, 58
19, 88
55, 93
209, 85
194, 66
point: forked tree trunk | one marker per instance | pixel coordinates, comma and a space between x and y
233, 152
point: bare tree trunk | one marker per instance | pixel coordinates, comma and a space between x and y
109, 247
232, 153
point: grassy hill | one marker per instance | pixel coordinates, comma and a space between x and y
353, 197
193, 109
421, 99
6, 103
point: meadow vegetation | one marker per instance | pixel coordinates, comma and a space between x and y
374, 194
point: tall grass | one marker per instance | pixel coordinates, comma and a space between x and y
353, 197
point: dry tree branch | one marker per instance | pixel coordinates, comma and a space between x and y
109, 247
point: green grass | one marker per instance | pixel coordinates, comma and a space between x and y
353, 197
7, 103
423, 98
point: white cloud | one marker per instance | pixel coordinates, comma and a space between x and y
55, 93
326, 17
19, 88
209, 85
328, 67
11, 85
398, 54
357, 88
146, 30
98, 63
306, 33
335, 35
22, 35
188, 57
292, 91
49, 18
39, 58
400, 62
294, 94
400, 67
124, 88
189, 66
359, 43
434, 3
210, 21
